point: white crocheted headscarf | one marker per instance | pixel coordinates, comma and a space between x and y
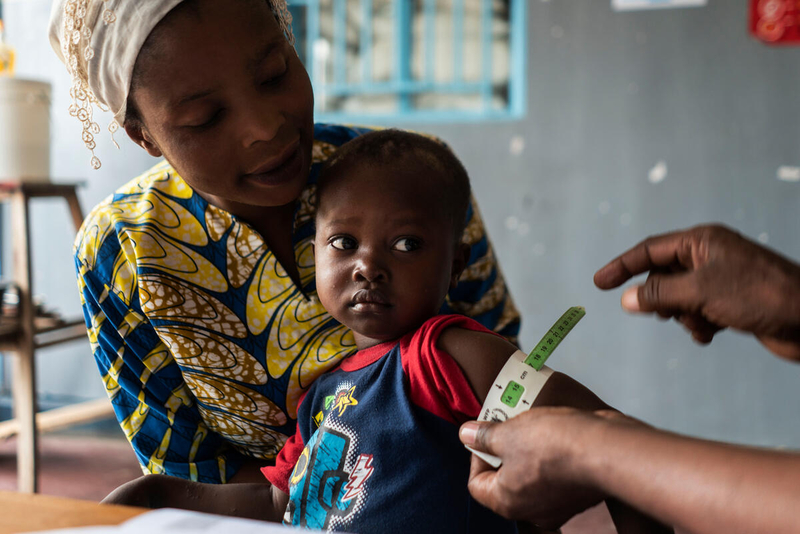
99, 40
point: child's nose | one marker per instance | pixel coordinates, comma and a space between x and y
371, 269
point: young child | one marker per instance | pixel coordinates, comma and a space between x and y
376, 447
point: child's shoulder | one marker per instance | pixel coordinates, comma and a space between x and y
453, 331
432, 329
459, 338
454, 344
450, 361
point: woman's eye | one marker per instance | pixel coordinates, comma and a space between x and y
343, 243
406, 244
275, 75
273, 79
210, 121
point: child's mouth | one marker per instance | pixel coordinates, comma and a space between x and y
369, 301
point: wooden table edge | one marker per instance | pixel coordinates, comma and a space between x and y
25, 512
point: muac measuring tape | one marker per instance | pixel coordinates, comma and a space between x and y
523, 377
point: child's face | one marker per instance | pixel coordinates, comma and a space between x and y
385, 252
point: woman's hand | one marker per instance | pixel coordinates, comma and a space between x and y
541, 480
710, 278
251, 500
141, 492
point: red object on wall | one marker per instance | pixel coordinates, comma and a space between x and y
776, 21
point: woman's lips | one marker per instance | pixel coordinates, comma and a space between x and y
280, 169
370, 301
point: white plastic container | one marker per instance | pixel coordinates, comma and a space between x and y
24, 130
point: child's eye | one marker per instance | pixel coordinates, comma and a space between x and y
406, 244
343, 243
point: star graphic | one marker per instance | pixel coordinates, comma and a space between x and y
345, 399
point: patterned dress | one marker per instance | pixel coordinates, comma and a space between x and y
203, 341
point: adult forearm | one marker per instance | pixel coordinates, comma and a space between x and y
699, 486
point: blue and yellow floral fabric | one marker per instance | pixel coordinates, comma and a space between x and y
202, 339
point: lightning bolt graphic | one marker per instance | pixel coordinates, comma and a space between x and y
361, 473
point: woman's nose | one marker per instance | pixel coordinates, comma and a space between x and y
260, 122
370, 268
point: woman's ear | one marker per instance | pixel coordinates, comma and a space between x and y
460, 261
139, 135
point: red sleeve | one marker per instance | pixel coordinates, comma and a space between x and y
279, 473
436, 382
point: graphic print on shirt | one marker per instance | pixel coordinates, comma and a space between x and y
340, 401
328, 484
343, 399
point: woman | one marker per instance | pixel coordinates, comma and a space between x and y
197, 278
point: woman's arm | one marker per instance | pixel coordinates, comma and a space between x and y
700, 486
488, 303
151, 400
250, 472
254, 501
482, 355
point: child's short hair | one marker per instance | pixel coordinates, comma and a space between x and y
400, 147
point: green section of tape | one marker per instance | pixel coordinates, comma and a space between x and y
550, 341
512, 394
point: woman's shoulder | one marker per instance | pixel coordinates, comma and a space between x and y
150, 196
329, 137
160, 179
338, 134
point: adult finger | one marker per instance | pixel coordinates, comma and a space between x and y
483, 484
664, 293
702, 330
654, 252
479, 436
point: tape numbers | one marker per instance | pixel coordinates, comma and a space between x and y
512, 394
553, 337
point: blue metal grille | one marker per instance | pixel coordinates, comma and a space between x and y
423, 75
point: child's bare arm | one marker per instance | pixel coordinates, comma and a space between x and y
481, 356
251, 500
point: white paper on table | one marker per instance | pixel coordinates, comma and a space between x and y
172, 521
103, 529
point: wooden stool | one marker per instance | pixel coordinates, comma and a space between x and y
23, 336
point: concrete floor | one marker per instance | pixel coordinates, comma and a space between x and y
84, 462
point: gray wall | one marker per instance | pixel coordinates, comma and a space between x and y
609, 96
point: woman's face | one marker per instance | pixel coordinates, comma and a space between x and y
223, 96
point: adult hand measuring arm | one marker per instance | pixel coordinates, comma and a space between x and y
710, 278
557, 461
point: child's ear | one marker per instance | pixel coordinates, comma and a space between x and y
460, 261
313, 250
